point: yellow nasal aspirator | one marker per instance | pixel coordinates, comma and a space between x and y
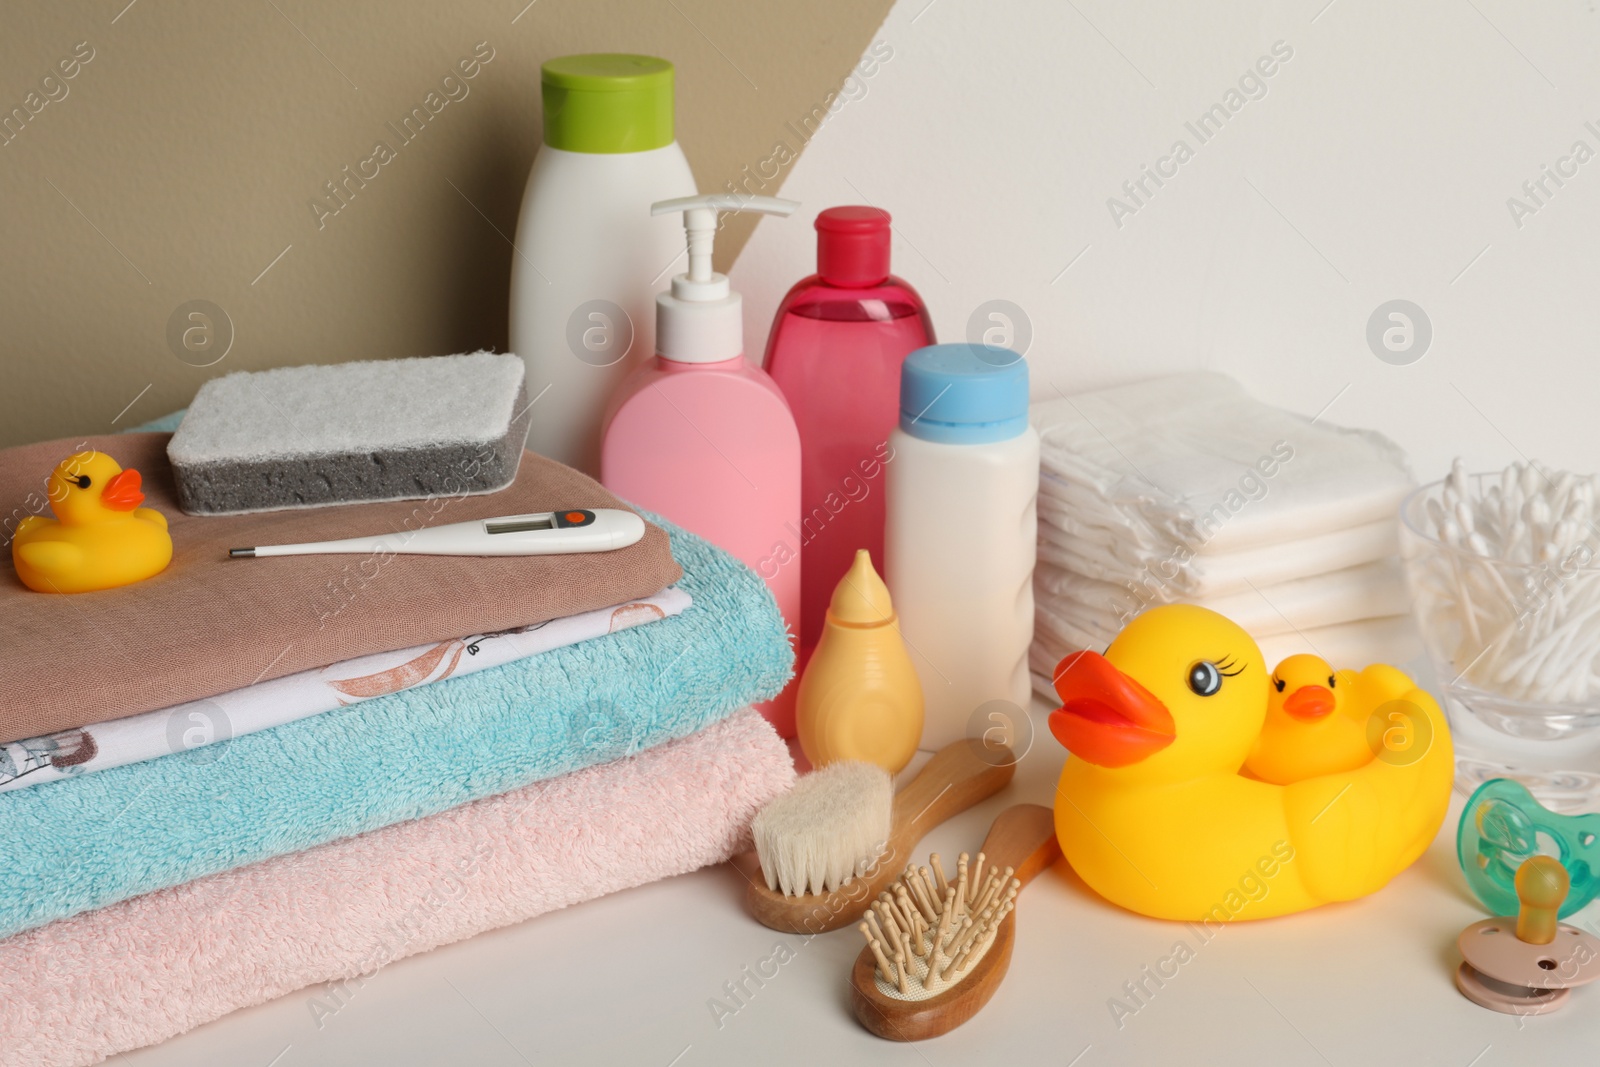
860, 698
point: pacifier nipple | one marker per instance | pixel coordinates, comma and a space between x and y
1542, 884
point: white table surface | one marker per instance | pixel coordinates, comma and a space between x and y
628, 979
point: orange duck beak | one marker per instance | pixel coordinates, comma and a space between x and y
1107, 718
122, 492
1309, 703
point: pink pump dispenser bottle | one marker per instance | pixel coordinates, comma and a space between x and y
701, 436
835, 350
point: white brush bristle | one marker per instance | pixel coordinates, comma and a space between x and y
831, 825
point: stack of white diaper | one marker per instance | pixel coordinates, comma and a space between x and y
1187, 490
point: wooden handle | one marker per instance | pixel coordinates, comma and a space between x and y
1023, 838
958, 776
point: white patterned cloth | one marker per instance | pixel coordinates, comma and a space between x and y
201, 723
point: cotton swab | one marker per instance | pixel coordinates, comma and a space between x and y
1518, 569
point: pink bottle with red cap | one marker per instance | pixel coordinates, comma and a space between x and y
835, 351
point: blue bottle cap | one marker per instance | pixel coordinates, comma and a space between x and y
964, 394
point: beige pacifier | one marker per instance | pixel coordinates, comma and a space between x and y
1528, 965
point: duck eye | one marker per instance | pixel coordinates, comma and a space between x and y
1204, 678
1278, 684
1331, 682
82, 481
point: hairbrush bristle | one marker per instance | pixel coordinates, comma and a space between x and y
926, 932
827, 829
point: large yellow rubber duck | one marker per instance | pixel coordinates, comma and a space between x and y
1151, 809
100, 538
1323, 721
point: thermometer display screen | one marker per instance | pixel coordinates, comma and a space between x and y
520, 525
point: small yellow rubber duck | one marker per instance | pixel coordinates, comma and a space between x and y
100, 538
859, 698
1320, 721
1151, 809
1314, 726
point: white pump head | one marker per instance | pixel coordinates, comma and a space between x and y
701, 320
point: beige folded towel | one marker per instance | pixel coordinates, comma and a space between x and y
209, 625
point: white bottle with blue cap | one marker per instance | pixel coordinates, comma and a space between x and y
962, 495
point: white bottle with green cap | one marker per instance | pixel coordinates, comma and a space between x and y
961, 495
589, 257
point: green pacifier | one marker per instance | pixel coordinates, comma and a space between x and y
1503, 825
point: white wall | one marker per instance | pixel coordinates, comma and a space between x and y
1377, 166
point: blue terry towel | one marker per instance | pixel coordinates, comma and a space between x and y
92, 841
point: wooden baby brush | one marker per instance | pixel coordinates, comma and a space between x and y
937, 947
837, 840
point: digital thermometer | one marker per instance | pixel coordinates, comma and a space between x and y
545, 533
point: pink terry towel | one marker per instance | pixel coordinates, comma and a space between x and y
85, 988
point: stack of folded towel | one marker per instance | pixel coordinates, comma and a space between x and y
172, 864
1187, 490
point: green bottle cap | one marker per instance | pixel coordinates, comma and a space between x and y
607, 103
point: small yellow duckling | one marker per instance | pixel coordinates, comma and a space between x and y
1152, 812
1314, 725
1320, 721
100, 538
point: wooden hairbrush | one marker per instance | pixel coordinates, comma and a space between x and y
938, 949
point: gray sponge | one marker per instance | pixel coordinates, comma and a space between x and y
394, 429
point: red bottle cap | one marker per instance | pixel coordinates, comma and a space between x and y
853, 246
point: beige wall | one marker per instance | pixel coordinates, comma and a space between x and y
182, 158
